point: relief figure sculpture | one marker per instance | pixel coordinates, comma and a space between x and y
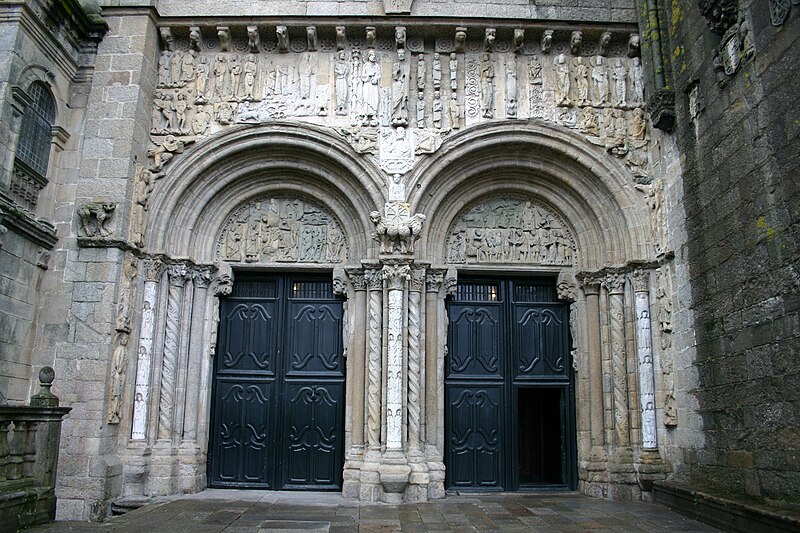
370, 94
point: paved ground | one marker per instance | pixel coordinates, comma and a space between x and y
241, 511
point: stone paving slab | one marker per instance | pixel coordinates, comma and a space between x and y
243, 511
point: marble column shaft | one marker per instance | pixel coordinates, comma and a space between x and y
145, 351
644, 353
592, 292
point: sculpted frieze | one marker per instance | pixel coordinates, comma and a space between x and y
396, 99
510, 230
288, 230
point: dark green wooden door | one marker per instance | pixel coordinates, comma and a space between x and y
508, 387
278, 394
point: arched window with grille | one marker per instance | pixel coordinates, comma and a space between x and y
33, 147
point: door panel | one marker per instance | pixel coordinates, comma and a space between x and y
508, 387
278, 409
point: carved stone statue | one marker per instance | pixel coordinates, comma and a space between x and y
588, 122
455, 112
94, 216
251, 85
562, 81
400, 91
437, 72
453, 72
370, 94
487, 85
620, 76
307, 70
637, 129
637, 80
201, 81
511, 87
437, 110
142, 187
582, 81
600, 79
341, 70
117, 381
397, 230
420, 109
163, 152
535, 71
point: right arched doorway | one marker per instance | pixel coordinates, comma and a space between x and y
509, 386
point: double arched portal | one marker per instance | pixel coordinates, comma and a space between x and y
414, 368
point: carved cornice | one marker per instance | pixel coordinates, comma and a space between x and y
38, 231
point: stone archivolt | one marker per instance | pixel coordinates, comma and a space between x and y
282, 230
510, 230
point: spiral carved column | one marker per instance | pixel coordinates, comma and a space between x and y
615, 284
414, 356
177, 275
375, 324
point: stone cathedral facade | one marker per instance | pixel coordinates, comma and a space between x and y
393, 248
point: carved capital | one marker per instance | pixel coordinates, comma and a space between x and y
566, 290
178, 274
641, 281
396, 276
202, 277
153, 268
614, 283
374, 279
357, 278
223, 285
590, 285
43, 258
417, 279
451, 282
434, 279
339, 282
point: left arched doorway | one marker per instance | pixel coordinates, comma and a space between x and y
278, 397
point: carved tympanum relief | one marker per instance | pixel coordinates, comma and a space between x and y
367, 86
510, 230
280, 229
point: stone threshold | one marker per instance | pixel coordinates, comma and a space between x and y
724, 512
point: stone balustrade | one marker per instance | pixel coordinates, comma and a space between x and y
29, 436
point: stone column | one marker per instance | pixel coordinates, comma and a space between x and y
591, 290
355, 357
415, 390
433, 284
152, 272
615, 284
394, 469
374, 329
644, 354
178, 275
202, 279
396, 277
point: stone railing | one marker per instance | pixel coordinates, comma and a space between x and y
29, 437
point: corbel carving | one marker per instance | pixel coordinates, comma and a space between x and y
253, 39
223, 285
489, 38
460, 39
547, 41
167, 39
633, 44
195, 38
400, 37
566, 287
519, 39
604, 43
719, 14
94, 218
311, 37
575, 42
341, 38
371, 36
282, 33
224, 35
